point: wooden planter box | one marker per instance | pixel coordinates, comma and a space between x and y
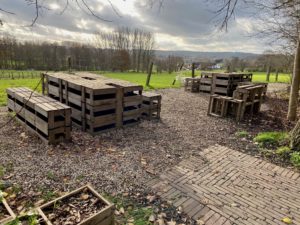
7, 210
105, 216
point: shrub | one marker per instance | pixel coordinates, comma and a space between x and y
295, 159
283, 151
272, 138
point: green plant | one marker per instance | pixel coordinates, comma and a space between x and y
48, 195
2, 171
242, 134
283, 151
272, 138
50, 175
138, 214
28, 219
295, 159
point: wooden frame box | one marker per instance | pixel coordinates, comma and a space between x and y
10, 213
104, 217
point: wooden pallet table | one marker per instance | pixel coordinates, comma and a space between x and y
151, 105
46, 117
98, 103
222, 83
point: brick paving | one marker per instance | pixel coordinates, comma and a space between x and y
222, 186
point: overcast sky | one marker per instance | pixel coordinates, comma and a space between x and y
178, 25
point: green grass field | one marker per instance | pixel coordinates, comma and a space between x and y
158, 81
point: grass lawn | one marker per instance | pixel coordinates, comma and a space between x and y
158, 81
31, 83
261, 77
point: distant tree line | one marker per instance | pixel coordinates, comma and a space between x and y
122, 50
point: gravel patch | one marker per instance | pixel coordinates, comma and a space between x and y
122, 160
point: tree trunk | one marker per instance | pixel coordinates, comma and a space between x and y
295, 137
268, 73
294, 93
276, 77
193, 70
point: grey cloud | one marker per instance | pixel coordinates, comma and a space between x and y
193, 21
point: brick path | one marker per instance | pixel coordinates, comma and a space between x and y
223, 186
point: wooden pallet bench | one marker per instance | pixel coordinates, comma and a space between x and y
246, 99
222, 83
151, 105
98, 103
48, 118
192, 84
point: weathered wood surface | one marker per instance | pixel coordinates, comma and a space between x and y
151, 106
246, 99
48, 118
99, 103
9, 212
222, 83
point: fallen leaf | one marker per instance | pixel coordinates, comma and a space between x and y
171, 222
152, 218
84, 196
287, 220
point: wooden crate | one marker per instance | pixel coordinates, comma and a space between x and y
151, 106
47, 118
10, 213
103, 217
192, 84
222, 83
224, 106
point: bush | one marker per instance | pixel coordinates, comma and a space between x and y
272, 138
283, 151
295, 159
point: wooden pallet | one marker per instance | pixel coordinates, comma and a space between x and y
223, 106
98, 103
48, 118
222, 83
247, 99
151, 105
192, 84
252, 95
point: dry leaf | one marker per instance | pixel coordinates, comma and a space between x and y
287, 220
